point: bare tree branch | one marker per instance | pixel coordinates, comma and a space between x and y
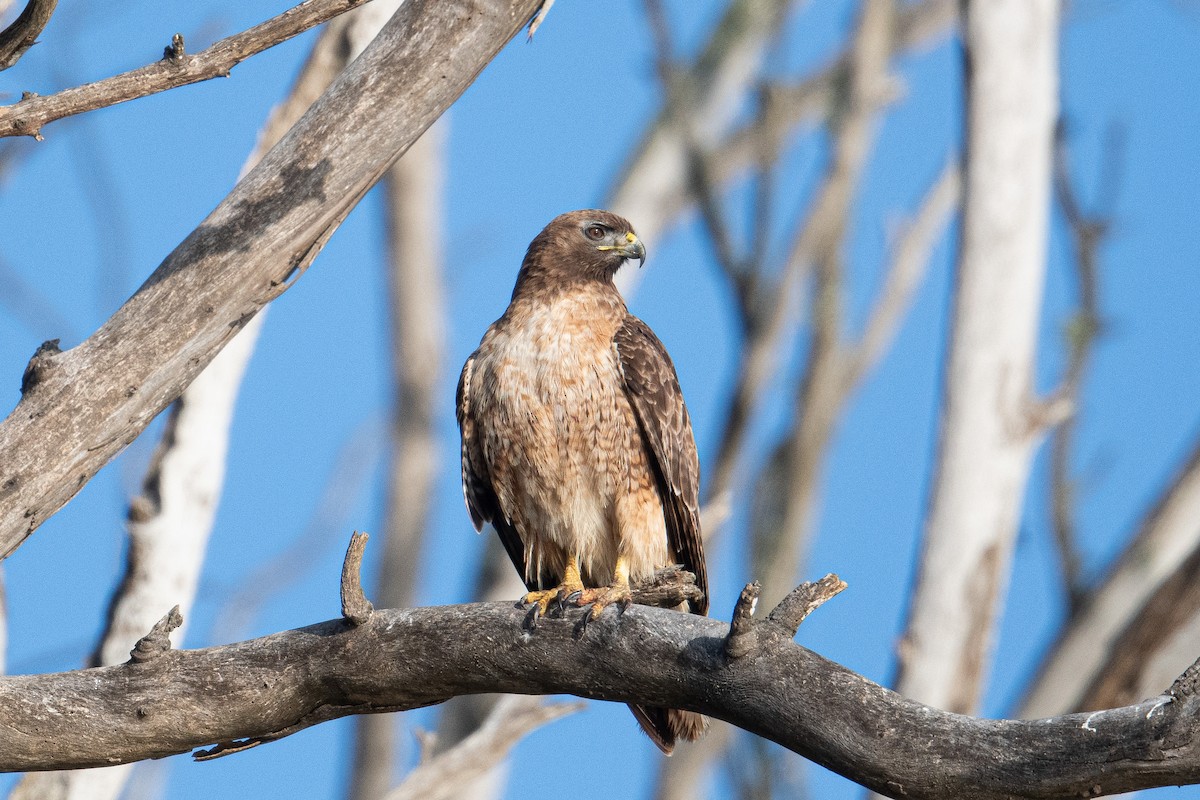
780, 480
83, 406
328, 57
703, 105
1164, 546
3, 623
418, 343
176, 68
991, 420
656, 176
1153, 638
169, 526
909, 264
815, 243
23, 32
401, 659
511, 719
413, 193
789, 482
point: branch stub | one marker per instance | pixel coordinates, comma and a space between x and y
802, 601
743, 633
158, 640
355, 606
40, 365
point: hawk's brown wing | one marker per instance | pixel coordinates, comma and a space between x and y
653, 390
482, 503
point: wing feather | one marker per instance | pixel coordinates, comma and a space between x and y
482, 503
653, 390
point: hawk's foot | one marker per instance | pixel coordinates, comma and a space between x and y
615, 594
618, 594
542, 601
566, 593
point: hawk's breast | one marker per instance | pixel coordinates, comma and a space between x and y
558, 433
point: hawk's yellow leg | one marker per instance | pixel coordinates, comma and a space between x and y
572, 583
572, 592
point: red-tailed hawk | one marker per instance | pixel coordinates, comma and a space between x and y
576, 444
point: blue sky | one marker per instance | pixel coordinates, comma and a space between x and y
86, 215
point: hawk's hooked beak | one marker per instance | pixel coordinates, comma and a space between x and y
633, 248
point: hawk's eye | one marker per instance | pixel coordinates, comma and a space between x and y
594, 232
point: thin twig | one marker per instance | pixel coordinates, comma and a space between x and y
1088, 231
814, 243
37, 311
678, 87
724, 250
909, 263
660, 34
713, 84
763, 201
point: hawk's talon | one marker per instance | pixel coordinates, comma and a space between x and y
540, 601
531, 618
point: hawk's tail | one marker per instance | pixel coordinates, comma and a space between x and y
665, 725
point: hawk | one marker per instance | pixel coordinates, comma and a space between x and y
576, 444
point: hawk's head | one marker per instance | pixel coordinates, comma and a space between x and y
588, 244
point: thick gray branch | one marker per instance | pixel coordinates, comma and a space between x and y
81, 407
399, 659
